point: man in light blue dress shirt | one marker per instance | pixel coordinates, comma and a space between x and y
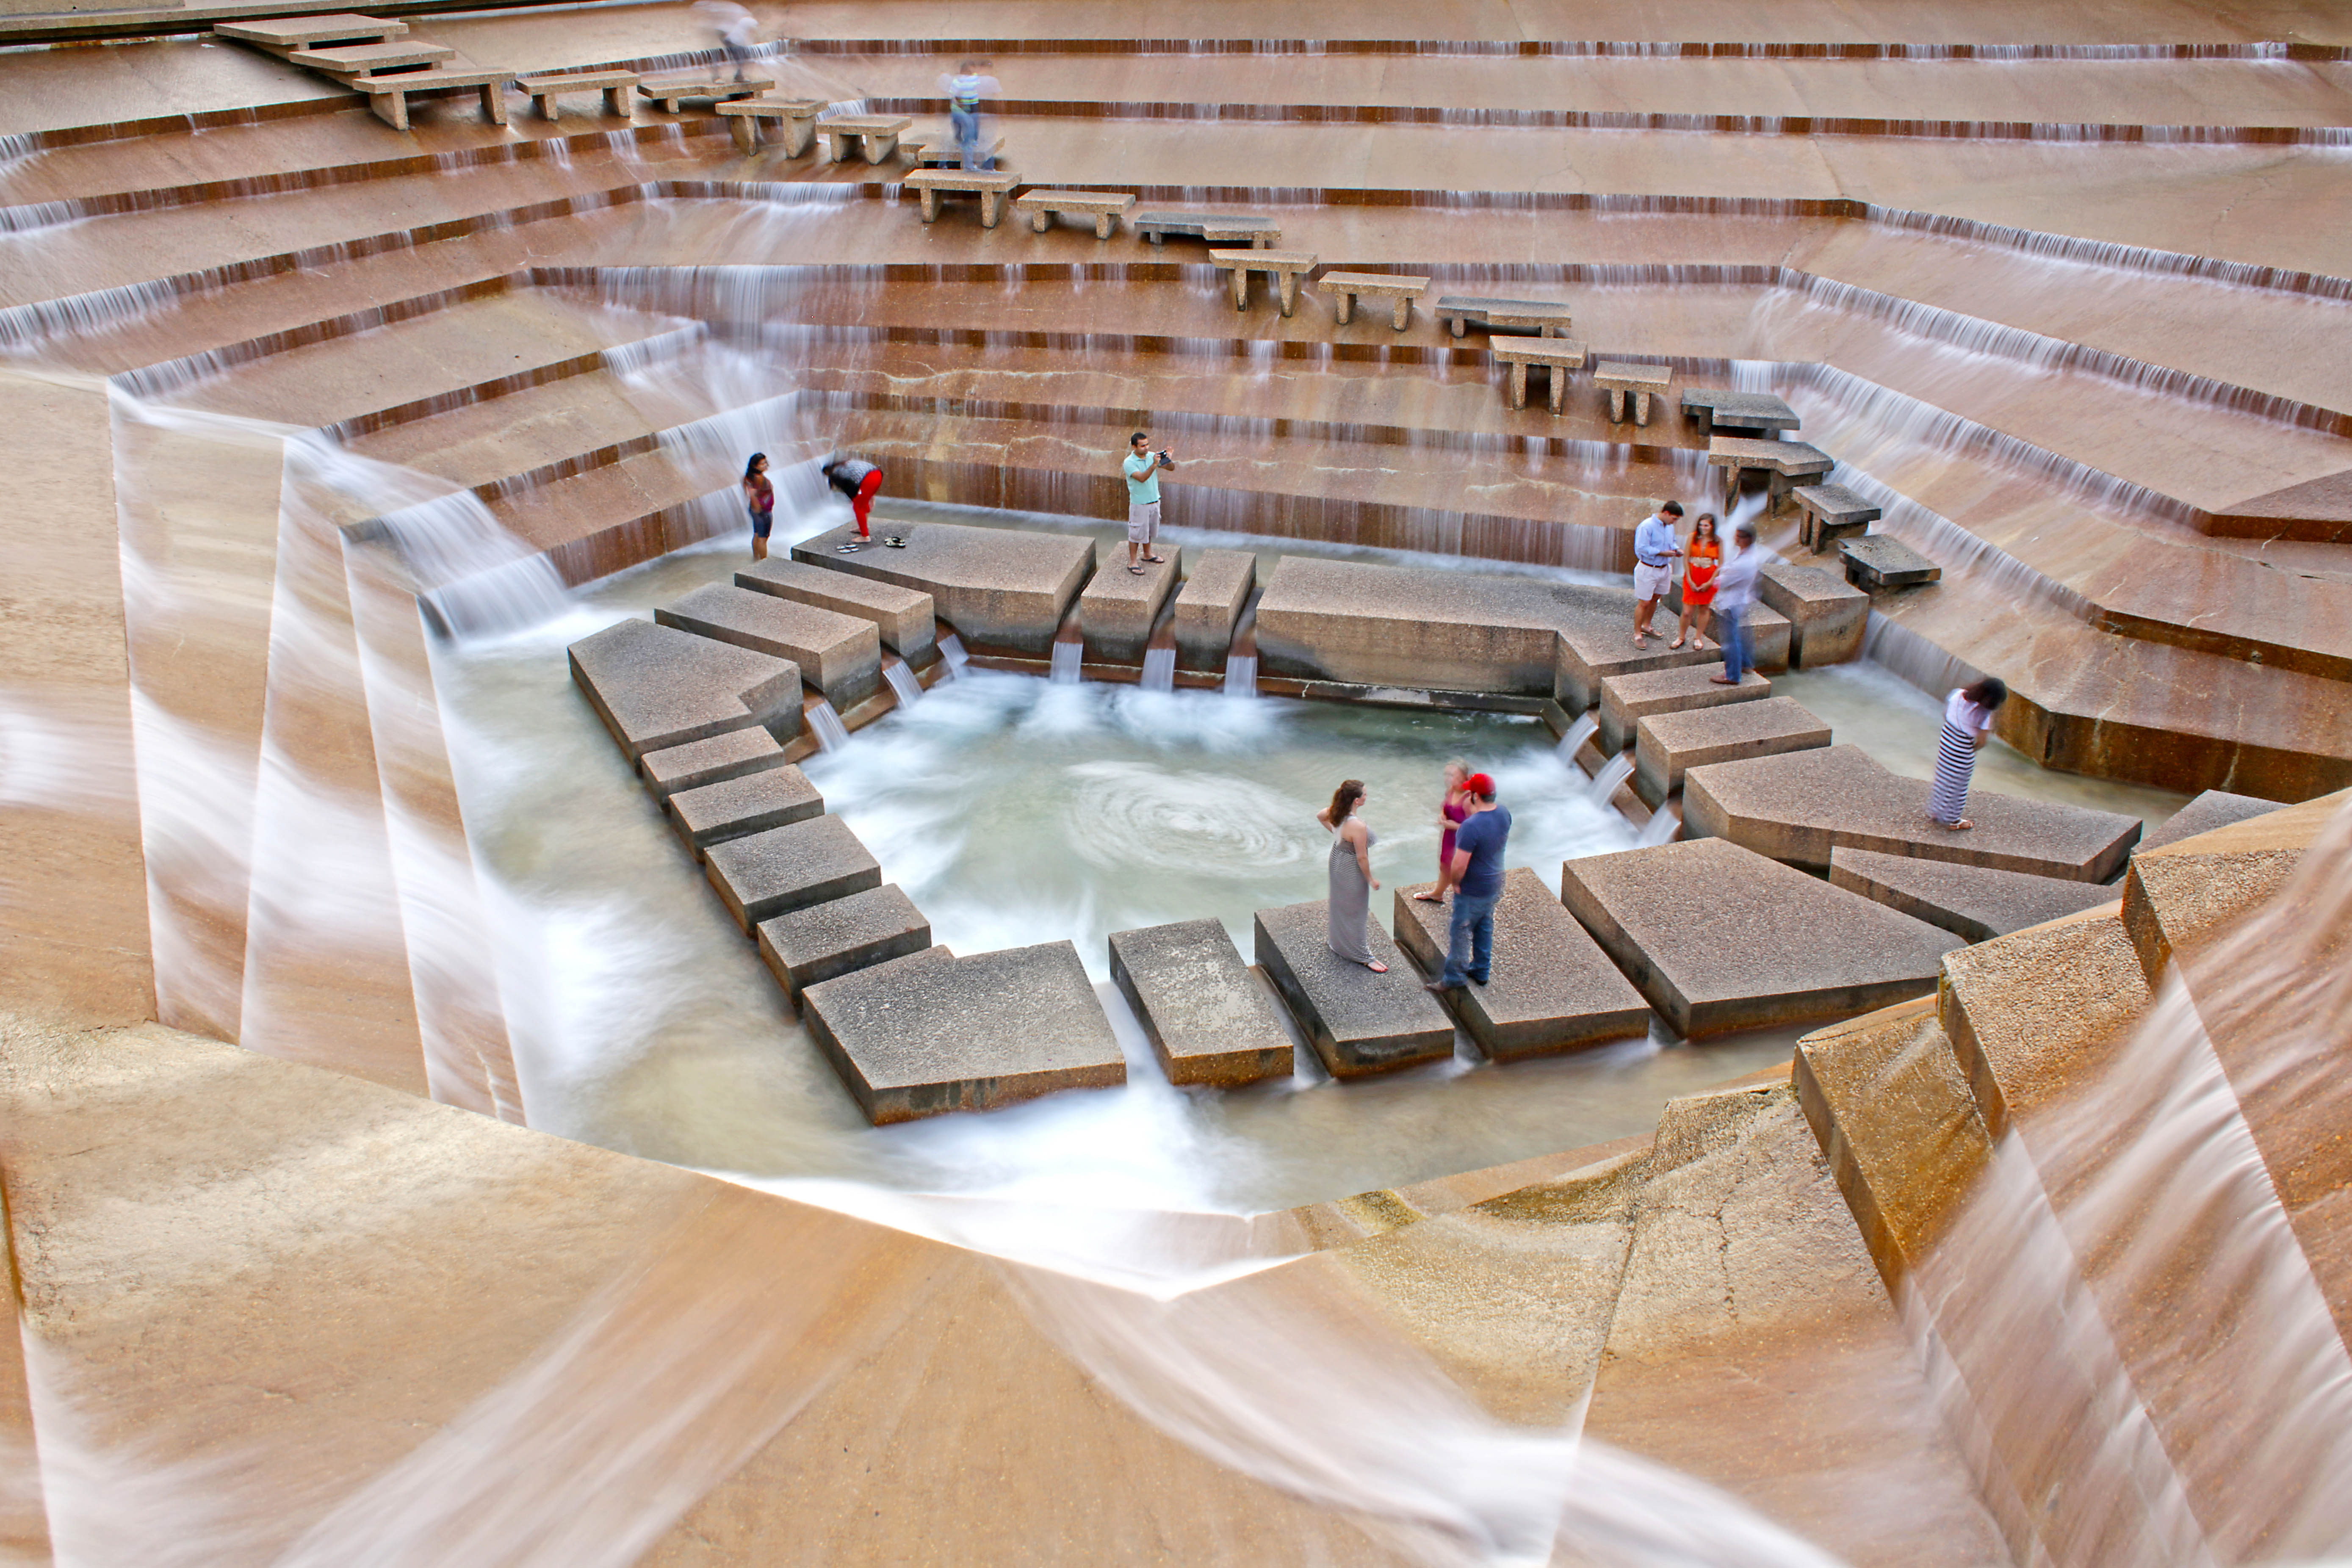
1656, 545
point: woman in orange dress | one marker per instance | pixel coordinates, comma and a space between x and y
1701, 560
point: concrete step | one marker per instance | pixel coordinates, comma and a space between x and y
1975, 903
1690, 682
1666, 745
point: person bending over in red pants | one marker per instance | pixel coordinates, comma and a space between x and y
858, 481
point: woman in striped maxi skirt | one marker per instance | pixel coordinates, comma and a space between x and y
1967, 720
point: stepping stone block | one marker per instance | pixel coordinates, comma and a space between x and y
388, 95
1359, 1021
1667, 745
2214, 808
736, 808
671, 91
290, 33
798, 116
655, 687
1627, 700
901, 617
932, 1033
1104, 207
1217, 229
876, 133
841, 656
1551, 988
1596, 647
1719, 938
715, 760
804, 947
1783, 461
1630, 387
367, 60
1799, 807
1831, 512
1827, 617
992, 187
1883, 561
1209, 606
763, 875
1744, 411
1118, 609
545, 90
1209, 1020
1544, 317
999, 587
1973, 903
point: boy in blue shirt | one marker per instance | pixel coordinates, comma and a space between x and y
1477, 887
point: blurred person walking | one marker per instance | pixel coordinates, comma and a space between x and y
964, 91
1655, 549
1735, 590
1450, 810
1967, 720
859, 481
1352, 882
738, 29
760, 500
1477, 872
1143, 467
1702, 560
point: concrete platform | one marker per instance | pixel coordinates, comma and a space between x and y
1598, 648
1209, 1020
839, 654
1209, 606
999, 587
1116, 609
806, 946
1799, 807
1627, 700
1551, 988
655, 687
1973, 903
738, 807
1883, 561
901, 617
1720, 938
1827, 615
1744, 411
2214, 808
932, 1033
1667, 745
699, 763
765, 874
1359, 1021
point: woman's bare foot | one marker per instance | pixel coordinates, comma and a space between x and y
1377, 967
1640, 641
1962, 826
1675, 643
1431, 898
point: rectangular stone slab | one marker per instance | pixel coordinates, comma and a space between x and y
1359, 1021
901, 617
841, 656
1827, 615
738, 807
1209, 606
1973, 902
1209, 1020
1719, 938
1799, 807
1738, 410
1883, 561
763, 875
932, 1033
1550, 989
1627, 700
1666, 745
1116, 609
2214, 808
715, 760
657, 687
806, 946
294, 32
999, 587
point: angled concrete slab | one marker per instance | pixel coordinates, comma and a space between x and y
1551, 988
2214, 808
738, 807
1627, 700
1667, 745
902, 616
1208, 1018
999, 587
839, 654
715, 760
1976, 903
1359, 1021
807, 945
1209, 606
764, 874
657, 687
1827, 615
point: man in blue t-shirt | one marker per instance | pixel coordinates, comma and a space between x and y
1477, 885
1142, 468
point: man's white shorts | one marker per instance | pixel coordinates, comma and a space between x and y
1649, 582
1142, 522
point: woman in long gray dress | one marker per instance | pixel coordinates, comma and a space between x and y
1352, 882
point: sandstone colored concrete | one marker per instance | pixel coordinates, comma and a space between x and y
1976, 903
1555, 356
1799, 807
2034, 1015
2213, 808
1104, 207
997, 587
1401, 289
1217, 229
1544, 317
932, 1033
1877, 560
804, 946
1719, 938
1783, 462
1827, 617
544, 91
655, 687
1630, 384
766, 874
1118, 609
1737, 410
1208, 1018
714, 761
738, 807
1627, 700
901, 617
991, 186
798, 116
1285, 266
1666, 745
841, 656
1551, 988
1831, 512
1359, 1021
2184, 894
877, 134
1209, 606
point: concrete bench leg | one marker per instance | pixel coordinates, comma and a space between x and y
617, 103
1262, 242
1641, 408
747, 137
543, 103
1286, 285
494, 102
1102, 225
881, 149
1403, 313
1040, 222
391, 108
1616, 405
988, 212
842, 145
1460, 326
800, 135
1519, 384
1559, 387
930, 206
1343, 307
1241, 287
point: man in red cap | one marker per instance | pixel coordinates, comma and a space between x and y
1477, 886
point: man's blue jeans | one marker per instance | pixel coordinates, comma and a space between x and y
967, 135
1731, 631
1470, 948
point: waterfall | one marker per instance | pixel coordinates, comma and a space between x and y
826, 725
951, 649
1067, 656
1159, 669
1577, 733
1613, 774
903, 682
1660, 829
1240, 675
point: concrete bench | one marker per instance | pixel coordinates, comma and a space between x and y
348, 60
283, 35
1883, 561
1287, 266
1217, 229
1544, 318
939, 150
388, 95
877, 134
1716, 408
1399, 289
993, 189
1640, 381
671, 91
1557, 355
1105, 207
1784, 461
615, 85
1831, 512
798, 115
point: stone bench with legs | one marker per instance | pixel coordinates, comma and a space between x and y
671, 91
1757, 413
1883, 561
1287, 266
1831, 512
1105, 208
1633, 382
388, 95
1400, 289
993, 189
281, 36
345, 61
1558, 356
615, 85
877, 134
1460, 312
939, 150
797, 115
1784, 461
1217, 229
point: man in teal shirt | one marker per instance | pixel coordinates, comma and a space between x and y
1143, 466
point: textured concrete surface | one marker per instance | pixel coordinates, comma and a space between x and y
902, 616
655, 687
1371, 625
1210, 604
997, 587
1883, 561
1720, 938
1627, 700
841, 656
1209, 1020
1976, 903
1551, 988
2186, 893
1827, 617
932, 1033
2035, 1014
734, 809
805, 945
1116, 609
1666, 745
714, 761
1359, 1021
765, 874
2214, 808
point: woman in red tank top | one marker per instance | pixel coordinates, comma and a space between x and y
1450, 814
1702, 559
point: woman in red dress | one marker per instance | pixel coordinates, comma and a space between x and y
1701, 560
1451, 811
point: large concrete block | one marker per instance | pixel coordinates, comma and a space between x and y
1118, 608
2181, 894
1719, 938
698, 762
841, 656
807, 945
1208, 1018
1359, 1021
1370, 625
2036, 1015
764, 874
902, 616
1667, 745
1827, 615
1799, 807
2214, 808
1209, 606
932, 1033
999, 587
738, 807
1973, 902
655, 687
1627, 700
1551, 988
